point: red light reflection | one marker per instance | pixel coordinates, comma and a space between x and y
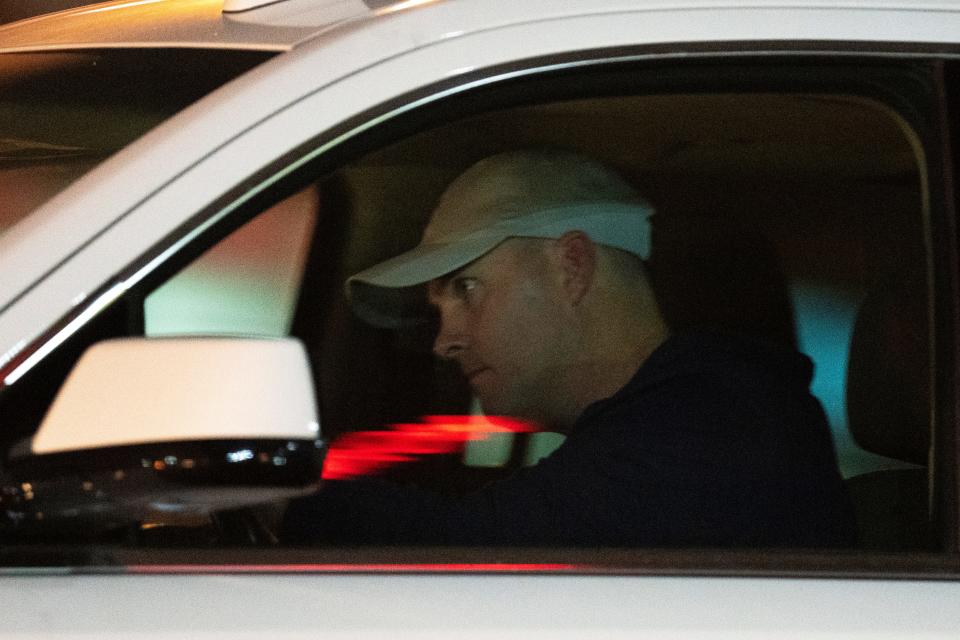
437, 567
369, 452
473, 567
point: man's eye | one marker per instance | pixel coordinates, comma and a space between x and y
464, 288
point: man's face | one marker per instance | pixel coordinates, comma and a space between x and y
502, 321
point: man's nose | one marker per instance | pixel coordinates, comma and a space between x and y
450, 342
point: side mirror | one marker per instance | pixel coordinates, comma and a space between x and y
168, 430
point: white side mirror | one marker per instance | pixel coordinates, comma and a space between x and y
170, 429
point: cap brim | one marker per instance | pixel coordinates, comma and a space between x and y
389, 295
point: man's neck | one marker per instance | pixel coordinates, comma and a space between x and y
601, 372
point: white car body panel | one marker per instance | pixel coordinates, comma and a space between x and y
146, 191
479, 606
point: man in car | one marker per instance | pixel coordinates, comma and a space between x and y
534, 261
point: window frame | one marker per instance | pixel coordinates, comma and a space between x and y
471, 94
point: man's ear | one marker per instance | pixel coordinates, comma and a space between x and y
576, 256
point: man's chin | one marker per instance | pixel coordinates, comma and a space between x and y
498, 407
498, 401
491, 406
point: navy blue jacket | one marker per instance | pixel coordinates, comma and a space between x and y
715, 441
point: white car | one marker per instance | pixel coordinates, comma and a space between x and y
185, 185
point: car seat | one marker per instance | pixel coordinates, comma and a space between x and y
889, 410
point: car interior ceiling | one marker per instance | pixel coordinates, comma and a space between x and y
758, 197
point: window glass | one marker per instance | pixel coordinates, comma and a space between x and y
810, 201
246, 285
795, 221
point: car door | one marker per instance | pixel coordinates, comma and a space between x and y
783, 143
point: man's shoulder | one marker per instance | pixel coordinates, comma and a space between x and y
706, 382
724, 356
677, 403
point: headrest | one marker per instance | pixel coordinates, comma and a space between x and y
716, 275
888, 376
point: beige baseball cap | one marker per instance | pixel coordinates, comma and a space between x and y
528, 194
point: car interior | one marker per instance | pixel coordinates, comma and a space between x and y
797, 217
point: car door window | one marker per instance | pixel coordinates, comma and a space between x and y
799, 217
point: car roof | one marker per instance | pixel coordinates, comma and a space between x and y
279, 25
260, 25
